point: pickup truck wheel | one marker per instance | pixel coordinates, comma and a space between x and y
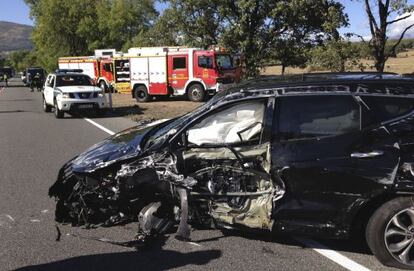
101, 112
390, 233
58, 113
141, 94
46, 107
196, 93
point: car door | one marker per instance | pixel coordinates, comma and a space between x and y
327, 159
178, 71
49, 89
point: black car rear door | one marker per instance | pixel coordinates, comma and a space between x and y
327, 160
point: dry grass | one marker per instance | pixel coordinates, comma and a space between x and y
403, 63
126, 106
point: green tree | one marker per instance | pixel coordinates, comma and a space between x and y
60, 28
255, 28
379, 23
336, 55
259, 27
166, 31
22, 59
289, 53
121, 21
77, 27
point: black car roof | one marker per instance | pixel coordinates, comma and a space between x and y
326, 83
326, 78
71, 74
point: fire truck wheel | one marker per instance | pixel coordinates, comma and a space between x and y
196, 93
141, 94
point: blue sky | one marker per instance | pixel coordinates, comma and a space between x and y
17, 11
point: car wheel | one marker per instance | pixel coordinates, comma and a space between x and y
141, 94
46, 107
390, 233
102, 85
58, 113
196, 93
100, 112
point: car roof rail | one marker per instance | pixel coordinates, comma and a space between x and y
68, 71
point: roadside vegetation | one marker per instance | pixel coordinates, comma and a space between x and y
273, 37
290, 34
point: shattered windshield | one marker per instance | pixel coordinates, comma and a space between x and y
161, 133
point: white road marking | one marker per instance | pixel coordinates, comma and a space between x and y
44, 211
10, 217
331, 254
112, 133
34, 220
106, 130
195, 244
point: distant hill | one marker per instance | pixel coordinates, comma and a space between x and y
14, 37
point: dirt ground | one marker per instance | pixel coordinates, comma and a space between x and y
167, 108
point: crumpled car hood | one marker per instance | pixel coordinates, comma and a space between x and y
121, 146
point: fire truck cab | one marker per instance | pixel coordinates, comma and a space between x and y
165, 71
102, 68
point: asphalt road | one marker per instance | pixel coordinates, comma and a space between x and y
34, 145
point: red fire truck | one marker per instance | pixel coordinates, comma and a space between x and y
164, 71
100, 67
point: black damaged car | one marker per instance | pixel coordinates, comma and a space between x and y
322, 155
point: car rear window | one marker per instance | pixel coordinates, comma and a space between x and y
386, 108
302, 117
73, 80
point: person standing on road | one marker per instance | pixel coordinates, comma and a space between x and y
6, 79
36, 82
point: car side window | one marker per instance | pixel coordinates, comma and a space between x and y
52, 81
384, 108
48, 79
237, 123
304, 117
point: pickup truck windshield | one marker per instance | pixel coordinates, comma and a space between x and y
73, 80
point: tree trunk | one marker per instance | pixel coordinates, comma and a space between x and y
283, 69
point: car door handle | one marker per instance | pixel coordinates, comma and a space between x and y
366, 154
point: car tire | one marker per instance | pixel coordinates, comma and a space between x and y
101, 112
389, 228
196, 93
47, 108
141, 94
58, 113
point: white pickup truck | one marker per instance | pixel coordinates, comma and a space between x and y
72, 92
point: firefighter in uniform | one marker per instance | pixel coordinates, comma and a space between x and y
36, 82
